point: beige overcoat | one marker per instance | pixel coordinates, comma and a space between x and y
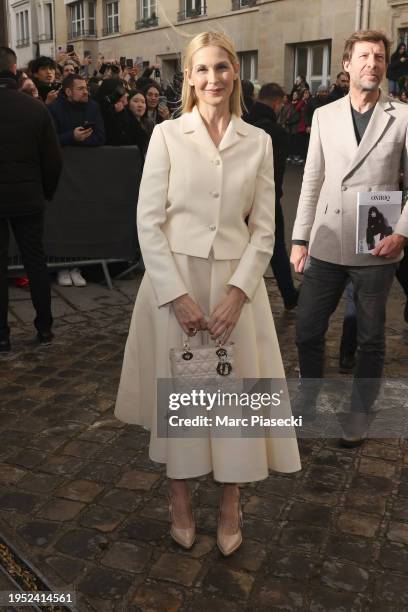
337, 168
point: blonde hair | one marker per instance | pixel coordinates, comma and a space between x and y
207, 39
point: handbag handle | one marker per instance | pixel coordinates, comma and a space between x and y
224, 367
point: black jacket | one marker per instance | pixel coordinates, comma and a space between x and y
69, 115
123, 129
30, 156
397, 69
262, 116
337, 93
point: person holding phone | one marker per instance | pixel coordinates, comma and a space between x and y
43, 70
157, 109
77, 118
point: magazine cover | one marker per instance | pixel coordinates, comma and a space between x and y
377, 215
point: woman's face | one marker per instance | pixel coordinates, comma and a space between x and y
213, 76
295, 97
138, 105
121, 104
403, 96
402, 49
152, 97
306, 94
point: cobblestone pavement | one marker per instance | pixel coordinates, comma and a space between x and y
81, 500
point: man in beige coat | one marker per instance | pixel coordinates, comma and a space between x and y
357, 144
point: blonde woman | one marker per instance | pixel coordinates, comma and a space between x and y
204, 174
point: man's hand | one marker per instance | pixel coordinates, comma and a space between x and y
390, 247
189, 315
51, 96
298, 257
81, 134
226, 314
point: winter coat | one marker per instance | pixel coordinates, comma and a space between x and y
30, 155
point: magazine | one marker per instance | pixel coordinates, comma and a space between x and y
377, 215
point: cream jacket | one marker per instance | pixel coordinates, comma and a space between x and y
337, 168
194, 198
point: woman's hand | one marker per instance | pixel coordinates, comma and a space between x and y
226, 314
189, 315
164, 112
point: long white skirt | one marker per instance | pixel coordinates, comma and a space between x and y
153, 331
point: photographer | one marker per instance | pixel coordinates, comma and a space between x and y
43, 71
77, 118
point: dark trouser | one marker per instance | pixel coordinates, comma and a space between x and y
280, 260
28, 232
348, 345
402, 273
322, 287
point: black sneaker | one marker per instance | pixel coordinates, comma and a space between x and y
45, 337
5, 346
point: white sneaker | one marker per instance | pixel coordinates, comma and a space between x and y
77, 278
64, 278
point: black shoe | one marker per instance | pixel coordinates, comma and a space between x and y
45, 337
406, 312
5, 346
347, 364
352, 441
292, 303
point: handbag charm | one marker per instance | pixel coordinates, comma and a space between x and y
187, 354
224, 367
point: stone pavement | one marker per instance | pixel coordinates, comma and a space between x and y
80, 499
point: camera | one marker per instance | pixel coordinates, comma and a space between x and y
157, 73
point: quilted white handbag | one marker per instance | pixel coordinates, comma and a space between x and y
213, 365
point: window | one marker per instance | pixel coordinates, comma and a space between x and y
402, 36
240, 4
91, 18
148, 9
112, 17
77, 19
313, 62
49, 29
23, 32
248, 61
192, 9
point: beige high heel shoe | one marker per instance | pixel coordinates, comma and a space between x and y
227, 542
183, 536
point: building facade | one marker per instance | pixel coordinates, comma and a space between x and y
275, 39
31, 28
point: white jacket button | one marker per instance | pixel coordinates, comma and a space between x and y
337, 211
215, 194
212, 228
343, 188
217, 162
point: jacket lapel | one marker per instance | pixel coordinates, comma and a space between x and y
375, 129
195, 126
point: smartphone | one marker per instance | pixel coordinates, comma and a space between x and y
129, 62
87, 124
56, 86
122, 61
156, 73
162, 101
87, 54
103, 68
70, 49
